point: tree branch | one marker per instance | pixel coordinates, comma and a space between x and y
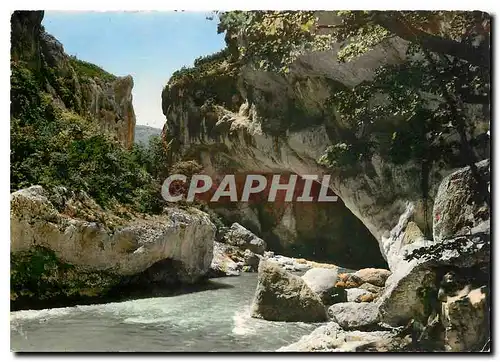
474, 55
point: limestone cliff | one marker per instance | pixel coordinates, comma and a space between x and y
66, 247
76, 85
235, 118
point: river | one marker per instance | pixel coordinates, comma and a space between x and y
216, 320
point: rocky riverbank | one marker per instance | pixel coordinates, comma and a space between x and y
437, 298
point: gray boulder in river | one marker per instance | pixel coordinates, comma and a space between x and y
282, 296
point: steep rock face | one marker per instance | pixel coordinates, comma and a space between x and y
176, 246
257, 120
323, 231
74, 84
111, 104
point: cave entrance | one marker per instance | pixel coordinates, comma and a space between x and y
320, 231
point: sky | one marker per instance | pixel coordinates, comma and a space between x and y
150, 46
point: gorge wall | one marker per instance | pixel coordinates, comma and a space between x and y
234, 118
75, 84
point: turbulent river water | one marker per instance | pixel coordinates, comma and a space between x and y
215, 320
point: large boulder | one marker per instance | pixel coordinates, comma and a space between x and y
458, 206
81, 234
322, 281
281, 296
404, 299
351, 315
466, 321
414, 284
244, 239
373, 276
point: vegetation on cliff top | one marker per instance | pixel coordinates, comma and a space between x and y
86, 69
53, 145
212, 80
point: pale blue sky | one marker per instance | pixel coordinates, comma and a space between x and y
150, 46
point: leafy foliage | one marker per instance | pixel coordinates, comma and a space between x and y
54, 146
408, 110
271, 40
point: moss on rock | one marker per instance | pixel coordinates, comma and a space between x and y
38, 275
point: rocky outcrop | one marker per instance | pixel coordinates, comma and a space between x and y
281, 296
435, 298
322, 282
236, 250
466, 321
260, 120
74, 85
244, 239
172, 247
426, 286
110, 102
